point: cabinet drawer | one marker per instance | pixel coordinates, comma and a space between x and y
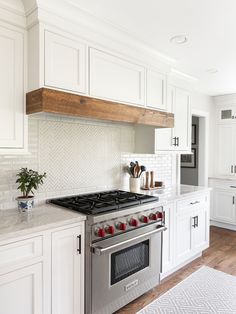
190, 202
20, 251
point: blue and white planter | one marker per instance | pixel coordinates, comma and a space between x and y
25, 205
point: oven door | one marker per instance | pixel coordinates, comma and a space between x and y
124, 267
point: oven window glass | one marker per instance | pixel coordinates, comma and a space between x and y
129, 261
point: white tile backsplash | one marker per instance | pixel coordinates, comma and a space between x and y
78, 156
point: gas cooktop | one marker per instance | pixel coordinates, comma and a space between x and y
97, 203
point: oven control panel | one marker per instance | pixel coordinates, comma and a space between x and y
123, 224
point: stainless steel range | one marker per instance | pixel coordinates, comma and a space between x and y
123, 246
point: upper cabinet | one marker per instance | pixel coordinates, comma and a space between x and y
65, 63
150, 140
114, 78
156, 90
178, 138
13, 124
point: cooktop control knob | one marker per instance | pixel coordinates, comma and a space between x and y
159, 215
110, 230
100, 232
144, 219
121, 226
153, 216
133, 222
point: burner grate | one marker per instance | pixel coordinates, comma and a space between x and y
97, 203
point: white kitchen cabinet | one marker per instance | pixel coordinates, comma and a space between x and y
200, 234
67, 271
178, 138
191, 228
12, 99
224, 205
168, 239
156, 90
21, 291
183, 236
65, 63
115, 78
226, 149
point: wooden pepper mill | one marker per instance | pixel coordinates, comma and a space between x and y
147, 180
152, 180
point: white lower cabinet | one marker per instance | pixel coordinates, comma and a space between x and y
67, 272
48, 281
168, 239
21, 291
187, 233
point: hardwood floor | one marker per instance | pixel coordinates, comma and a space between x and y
220, 255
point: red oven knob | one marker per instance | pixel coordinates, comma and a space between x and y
100, 232
144, 219
121, 226
159, 215
110, 230
133, 222
153, 216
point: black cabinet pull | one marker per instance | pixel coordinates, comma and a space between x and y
174, 138
177, 141
232, 169
233, 200
196, 221
235, 169
79, 244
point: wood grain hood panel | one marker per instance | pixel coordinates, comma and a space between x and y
54, 101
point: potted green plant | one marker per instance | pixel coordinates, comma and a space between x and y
28, 180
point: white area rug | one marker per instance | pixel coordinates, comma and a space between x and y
205, 291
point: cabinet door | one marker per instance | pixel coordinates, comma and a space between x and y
67, 272
200, 233
164, 137
65, 63
168, 239
226, 146
183, 236
224, 206
156, 90
11, 89
21, 291
116, 79
182, 129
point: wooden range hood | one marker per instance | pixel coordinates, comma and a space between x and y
58, 102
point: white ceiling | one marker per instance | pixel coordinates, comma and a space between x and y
210, 26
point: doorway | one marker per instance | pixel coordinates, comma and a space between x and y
194, 167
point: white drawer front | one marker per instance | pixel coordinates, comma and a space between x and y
20, 251
191, 202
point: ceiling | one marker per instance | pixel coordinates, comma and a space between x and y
210, 26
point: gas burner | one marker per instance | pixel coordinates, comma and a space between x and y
97, 203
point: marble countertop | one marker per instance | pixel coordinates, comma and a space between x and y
16, 224
176, 192
224, 178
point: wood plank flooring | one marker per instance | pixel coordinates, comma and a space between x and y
220, 255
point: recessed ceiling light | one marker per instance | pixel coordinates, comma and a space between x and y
179, 39
212, 71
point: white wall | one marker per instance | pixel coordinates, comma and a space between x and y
204, 103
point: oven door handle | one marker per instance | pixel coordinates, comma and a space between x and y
98, 250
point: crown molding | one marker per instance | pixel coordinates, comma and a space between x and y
12, 14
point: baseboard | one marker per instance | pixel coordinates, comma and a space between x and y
172, 270
222, 225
